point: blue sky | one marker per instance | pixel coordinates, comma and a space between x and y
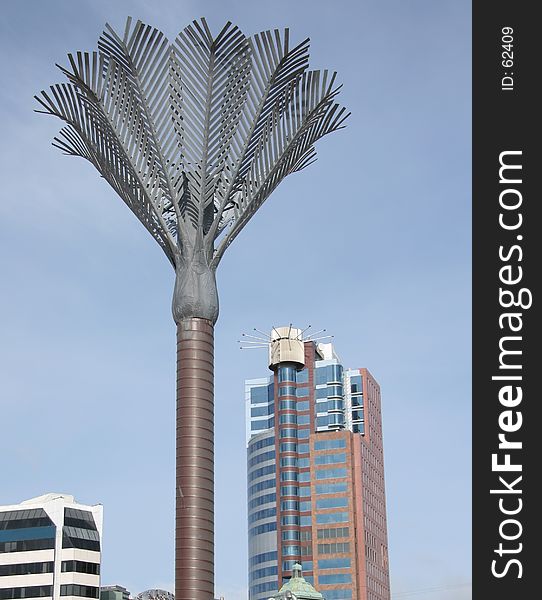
372, 243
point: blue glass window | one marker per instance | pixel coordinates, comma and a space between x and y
331, 503
288, 433
358, 428
289, 520
338, 517
262, 485
355, 384
334, 390
288, 447
288, 418
289, 490
261, 410
259, 395
303, 376
330, 459
291, 535
262, 514
261, 472
331, 488
305, 505
345, 594
335, 578
302, 392
287, 405
304, 476
261, 458
302, 405
288, 476
265, 499
334, 563
289, 505
303, 433
304, 490
286, 374
303, 448
265, 528
263, 557
321, 393
305, 521
303, 462
263, 443
288, 461
331, 473
264, 572
291, 550
259, 425
357, 414
287, 390
303, 420
330, 444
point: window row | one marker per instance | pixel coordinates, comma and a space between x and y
262, 410
15, 523
261, 394
332, 533
337, 473
265, 499
334, 563
263, 572
338, 517
262, 443
344, 594
80, 566
270, 455
334, 548
260, 486
260, 588
35, 591
262, 514
327, 374
330, 459
83, 519
331, 488
26, 569
27, 545
265, 528
263, 557
261, 472
334, 578
323, 503
83, 591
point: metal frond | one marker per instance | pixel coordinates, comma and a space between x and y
194, 135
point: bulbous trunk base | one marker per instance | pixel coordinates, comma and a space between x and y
194, 511
195, 293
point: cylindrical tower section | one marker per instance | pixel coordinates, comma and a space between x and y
194, 512
286, 358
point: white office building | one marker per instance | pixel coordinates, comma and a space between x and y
50, 548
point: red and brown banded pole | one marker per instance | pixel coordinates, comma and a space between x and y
194, 512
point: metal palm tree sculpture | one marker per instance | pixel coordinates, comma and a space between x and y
194, 136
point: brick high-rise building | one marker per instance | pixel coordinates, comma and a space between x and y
315, 474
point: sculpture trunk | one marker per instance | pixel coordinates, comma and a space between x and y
194, 527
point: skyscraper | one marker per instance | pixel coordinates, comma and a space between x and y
50, 548
315, 474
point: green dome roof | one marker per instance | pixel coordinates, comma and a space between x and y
298, 587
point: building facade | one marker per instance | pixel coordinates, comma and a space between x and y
50, 547
315, 474
114, 592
